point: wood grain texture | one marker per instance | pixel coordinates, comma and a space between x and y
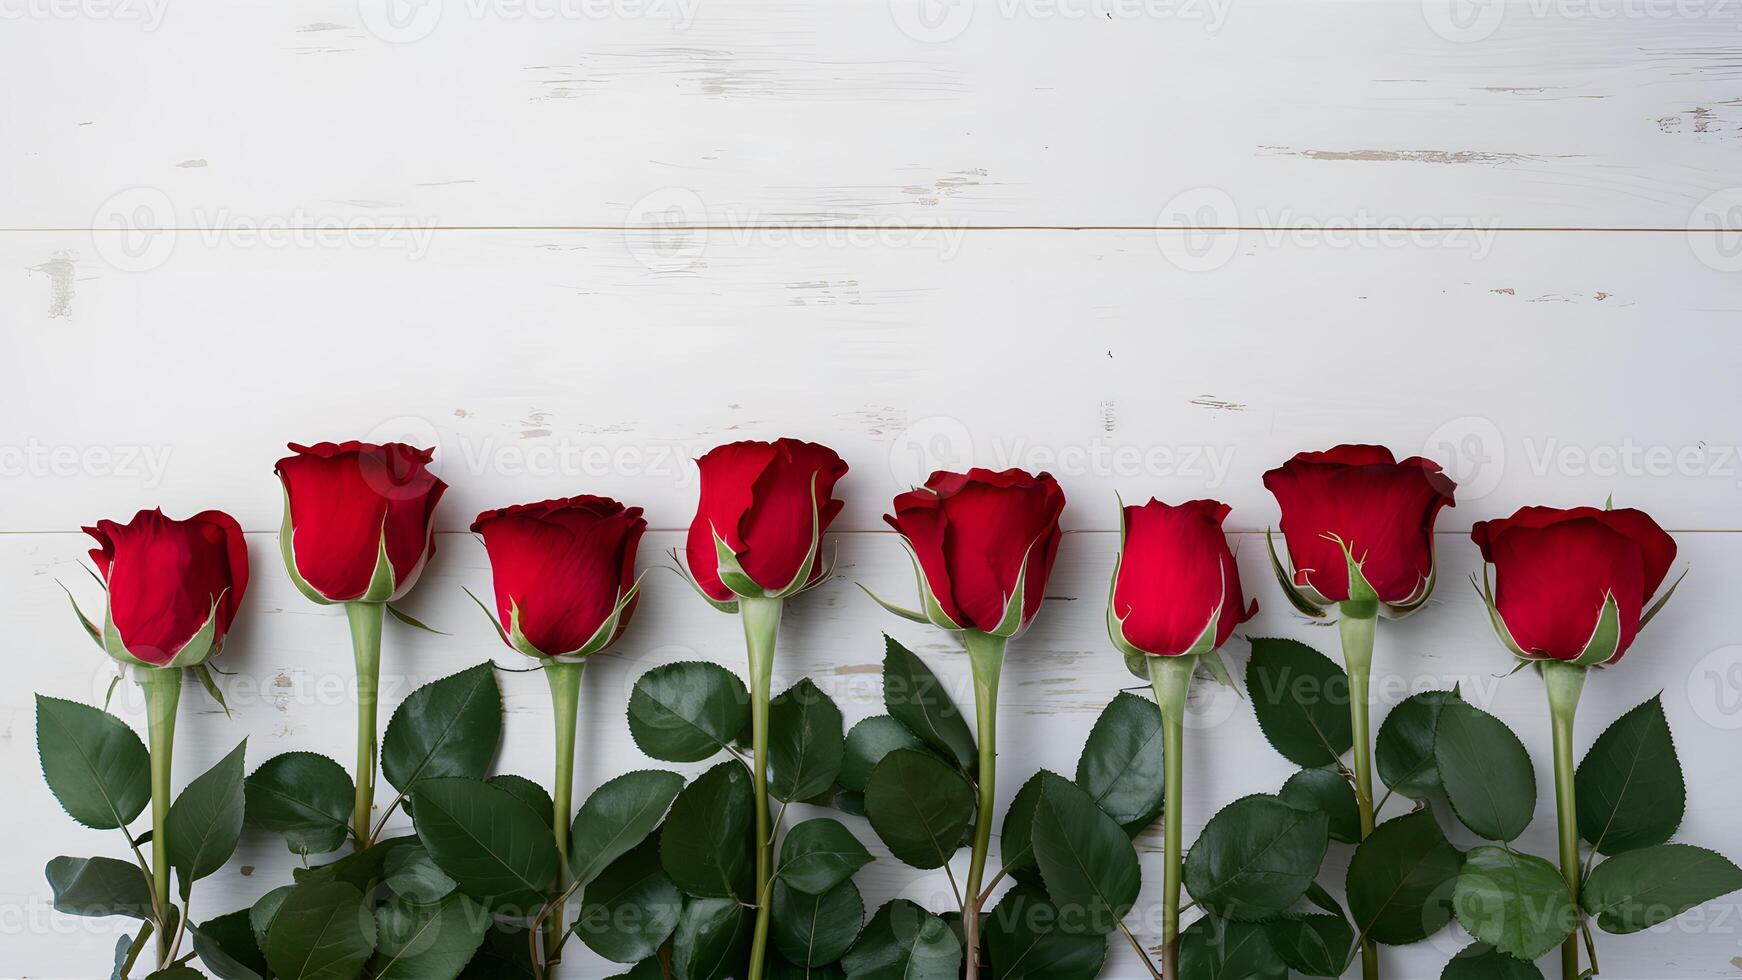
1012, 112
573, 244
1547, 368
290, 690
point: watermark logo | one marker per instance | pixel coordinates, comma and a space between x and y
942, 442
666, 230
1463, 21
670, 229
938, 442
1715, 230
400, 21
1195, 229
148, 14
1203, 229
1472, 452
133, 230
932, 21
1715, 688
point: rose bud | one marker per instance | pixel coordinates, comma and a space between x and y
1571, 585
564, 573
1359, 527
357, 519
1176, 588
984, 543
759, 526
174, 586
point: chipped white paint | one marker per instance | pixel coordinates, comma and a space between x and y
747, 218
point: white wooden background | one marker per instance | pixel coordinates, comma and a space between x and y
1153, 246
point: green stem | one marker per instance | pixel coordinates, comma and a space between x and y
162, 687
1356, 627
1564, 682
986, 658
761, 627
1172, 679
365, 619
565, 703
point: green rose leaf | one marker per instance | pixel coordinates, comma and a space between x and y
1326, 791
1216, 949
709, 838
504, 955
1316, 945
495, 848
1517, 903
1120, 767
1486, 772
712, 939
1024, 941
99, 886
648, 969
303, 797
1301, 698
227, 947
819, 854
427, 942
904, 942
805, 745
1086, 860
413, 875
914, 696
527, 792
815, 930
686, 712
1629, 787
867, 743
1401, 879
1255, 858
322, 930
447, 727
630, 908
1480, 961
919, 806
1640, 888
205, 822
617, 816
1404, 750
1016, 841
359, 869
97, 767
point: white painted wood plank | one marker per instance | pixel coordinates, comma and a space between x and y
292, 671
1058, 112
1543, 368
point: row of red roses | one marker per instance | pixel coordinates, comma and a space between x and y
1572, 584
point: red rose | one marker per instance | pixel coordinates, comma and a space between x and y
357, 519
1571, 584
564, 573
1356, 505
764, 507
985, 543
1176, 589
174, 586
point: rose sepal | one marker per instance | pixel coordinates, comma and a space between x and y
382, 584
1012, 623
733, 576
197, 650
1662, 600
600, 639
1485, 589
91, 629
723, 605
934, 610
1307, 605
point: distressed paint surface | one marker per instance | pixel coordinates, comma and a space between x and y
573, 253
